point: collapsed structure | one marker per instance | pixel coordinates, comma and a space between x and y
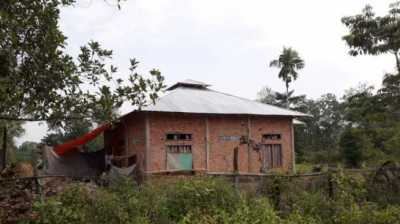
194, 128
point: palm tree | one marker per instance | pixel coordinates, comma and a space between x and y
289, 62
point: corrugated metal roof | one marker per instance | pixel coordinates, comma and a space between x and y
185, 99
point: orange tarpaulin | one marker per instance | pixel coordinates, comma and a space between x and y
74, 143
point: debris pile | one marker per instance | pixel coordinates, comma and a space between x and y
16, 197
19, 190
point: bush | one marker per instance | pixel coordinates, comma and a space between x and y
68, 208
370, 214
214, 201
204, 194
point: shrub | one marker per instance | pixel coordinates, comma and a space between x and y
371, 214
246, 212
214, 201
202, 194
68, 208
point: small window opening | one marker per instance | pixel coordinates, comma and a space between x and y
176, 137
272, 137
179, 148
229, 138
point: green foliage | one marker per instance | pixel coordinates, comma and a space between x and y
203, 194
26, 151
40, 81
289, 62
14, 130
71, 130
369, 214
211, 200
69, 207
371, 34
252, 211
355, 146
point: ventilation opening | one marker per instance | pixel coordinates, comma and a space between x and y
272, 137
177, 137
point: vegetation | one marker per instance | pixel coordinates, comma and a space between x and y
289, 62
27, 151
333, 198
374, 35
361, 127
40, 81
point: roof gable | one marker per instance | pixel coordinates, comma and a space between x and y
190, 83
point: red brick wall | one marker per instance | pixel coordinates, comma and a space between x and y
135, 124
220, 150
283, 126
161, 124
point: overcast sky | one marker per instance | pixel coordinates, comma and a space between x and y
227, 43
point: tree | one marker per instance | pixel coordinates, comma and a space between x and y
268, 96
390, 94
40, 81
317, 140
290, 100
9, 132
289, 62
72, 130
374, 35
355, 146
26, 151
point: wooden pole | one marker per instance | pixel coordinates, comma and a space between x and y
236, 166
293, 149
248, 145
147, 144
207, 139
3, 156
236, 160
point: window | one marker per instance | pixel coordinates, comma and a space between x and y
272, 137
177, 136
229, 138
271, 155
179, 148
179, 157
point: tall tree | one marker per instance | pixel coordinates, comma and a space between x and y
8, 133
40, 81
374, 35
289, 62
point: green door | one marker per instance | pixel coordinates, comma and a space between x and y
179, 161
186, 161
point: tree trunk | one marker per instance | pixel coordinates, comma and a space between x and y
3, 154
287, 95
396, 54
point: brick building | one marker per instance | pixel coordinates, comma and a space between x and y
195, 128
